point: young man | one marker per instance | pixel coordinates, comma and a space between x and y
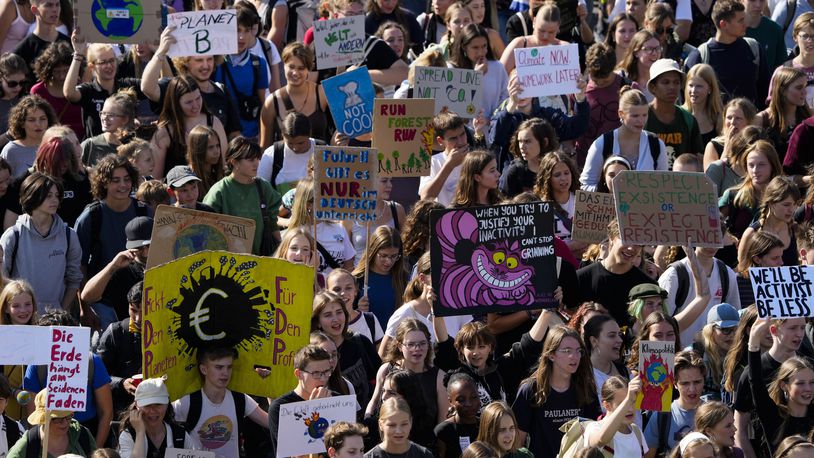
312, 367
345, 440
183, 188
664, 431
211, 414
445, 169
739, 62
601, 92
46, 15
260, 46
766, 32
609, 281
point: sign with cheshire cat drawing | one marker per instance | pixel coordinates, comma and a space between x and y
493, 259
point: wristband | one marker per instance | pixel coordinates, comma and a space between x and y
79, 57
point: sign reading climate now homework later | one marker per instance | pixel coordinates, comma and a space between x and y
548, 70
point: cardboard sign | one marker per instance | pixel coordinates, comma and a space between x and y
548, 70
260, 306
667, 208
345, 183
119, 21
339, 42
303, 424
350, 97
493, 259
16, 348
783, 292
656, 366
203, 33
403, 133
184, 453
593, 212
457, 89
179, 232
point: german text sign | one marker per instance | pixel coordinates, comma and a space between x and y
493, 259
593, 212
656, 366
203, 33
548, 70
667, 208
339, 42
350, 96
457, 89
260, 306
346, 183
783, 292
303, 424
404, 135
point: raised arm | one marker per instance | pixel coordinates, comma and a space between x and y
149, 79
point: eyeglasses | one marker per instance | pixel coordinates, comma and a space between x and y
569, 352
725, 331
653, 50
801, 36
319, 374
107, 114
385, 257
416, 345
62, 420
660, 30
105, 62
13, 83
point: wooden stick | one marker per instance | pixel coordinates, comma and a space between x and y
44, 440
317, 254
367, 267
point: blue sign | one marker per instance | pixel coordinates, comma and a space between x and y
350, 96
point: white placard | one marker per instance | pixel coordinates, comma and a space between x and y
68, 368
203, 33
783, 292
339, 42
303, 424
548, 70
184, 453
458, 89
17, 345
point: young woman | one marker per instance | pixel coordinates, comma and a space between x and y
694, 445
13, 70
644, 50
498, 428
395, 423
27, 121
51, 68
478, 184
802, 32
457, 17
388, 213
463, 424
479, 9
737, 356
360, 319
620, 34
147, 427
546, 28
183, 110
603, 342
612, 167
395, 35
532, 140
583, 313
787, 107
702, 98
618, 429
18, 307
386, 276
716, 421
777, 205
721, 160
763, 249
659, 327
717, 337
205, 157
297, 245
630, 141
563, 378
401, 383
17, 20
417, 302
139, 153
336, 382
118, 117
296, 149
794, 447
557, 183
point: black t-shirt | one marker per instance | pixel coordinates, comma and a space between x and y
274, 417
217, 102
115, 294
610, 289
359, 362
381, 55
75, 196
743, 396
408, 20
93, 98
415, 451
449, 435
32, 46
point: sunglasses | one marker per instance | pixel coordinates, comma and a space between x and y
661, 30
13, 83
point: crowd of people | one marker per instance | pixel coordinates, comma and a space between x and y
96, 136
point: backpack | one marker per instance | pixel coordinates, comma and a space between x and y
684, 282
13, 432
652, 143
248, 106
573, 438
791, 10
95, 210
196, 403
33, 440
16, 232
703, 50
178, 435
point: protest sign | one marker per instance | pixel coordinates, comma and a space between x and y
493, 259
402, 129
783, 292
203, 33
457, 89
667, 208
304, 423
548, 70
119, 21
339, 42
345, 183
184, 453
260, 306
179, 232
593, 211
350, 97
656, 366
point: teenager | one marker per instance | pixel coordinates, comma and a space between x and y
395, 422
46, 16
777, 206
445, 169
617, 430
461, 428
360, 319
715, 420
498, 428
345, 440
148, 427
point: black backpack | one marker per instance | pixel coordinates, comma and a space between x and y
13, 432
95, 209
178, 435
33, 447
684, 282
652, 143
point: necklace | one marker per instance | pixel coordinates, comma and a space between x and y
304, 102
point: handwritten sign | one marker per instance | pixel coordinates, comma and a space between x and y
131, 22
184, 453
339, 42
179, 232
498, 258
458, 89
667, 208
346, 183
350, 97
548, 70
656, 366
783, 292
203, 33
593, 212
403, 133
260, 306
304, 423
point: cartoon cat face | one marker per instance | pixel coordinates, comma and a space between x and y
501, 266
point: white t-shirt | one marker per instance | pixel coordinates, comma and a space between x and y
360, 326
454, 323
4, 445
560, 229
257, 50
216, 428
336, 241
295, 166
126, 442
624, 445
447, 192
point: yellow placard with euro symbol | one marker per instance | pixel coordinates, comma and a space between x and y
260, 306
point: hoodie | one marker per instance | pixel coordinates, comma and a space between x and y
49, 263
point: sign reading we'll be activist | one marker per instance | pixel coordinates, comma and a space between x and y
783, 292
345, 183
457, 89
339, 42
548, 70
203, 33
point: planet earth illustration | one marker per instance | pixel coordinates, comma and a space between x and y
198, 237
117, 19
656, 373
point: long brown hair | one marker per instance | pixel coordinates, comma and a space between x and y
582, 381
779, 189
172, 115
393, 354
197, 149
782, 79
630, 63
416, 233
746, 195
466, 194
759, 245
490, 419
736, 356
415, 287
543, 185
707, 416
384, 237
644, 334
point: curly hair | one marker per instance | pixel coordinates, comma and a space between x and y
416, 234
544, 186
17, 115
57, 54
102, 173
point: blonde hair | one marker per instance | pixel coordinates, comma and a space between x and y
392, 407
289, 236
746, 196
629, 97
429, 58
490, 419
303, 195
13, 289
714, 106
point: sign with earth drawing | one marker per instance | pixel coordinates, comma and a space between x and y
119, 21
179, 232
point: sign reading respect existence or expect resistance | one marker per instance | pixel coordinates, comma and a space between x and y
667, 208
403, 133
203, 33
345, 180
457, 89
548, 70
783, 292
339, 42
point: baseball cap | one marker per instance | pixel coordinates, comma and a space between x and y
181, 175
152, 391
723, 315
138, 231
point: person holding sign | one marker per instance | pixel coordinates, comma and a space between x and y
546, 29
618, 429
777, 206
395, 423
147, 427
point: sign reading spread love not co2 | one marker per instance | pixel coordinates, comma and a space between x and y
457, 89
339, 42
